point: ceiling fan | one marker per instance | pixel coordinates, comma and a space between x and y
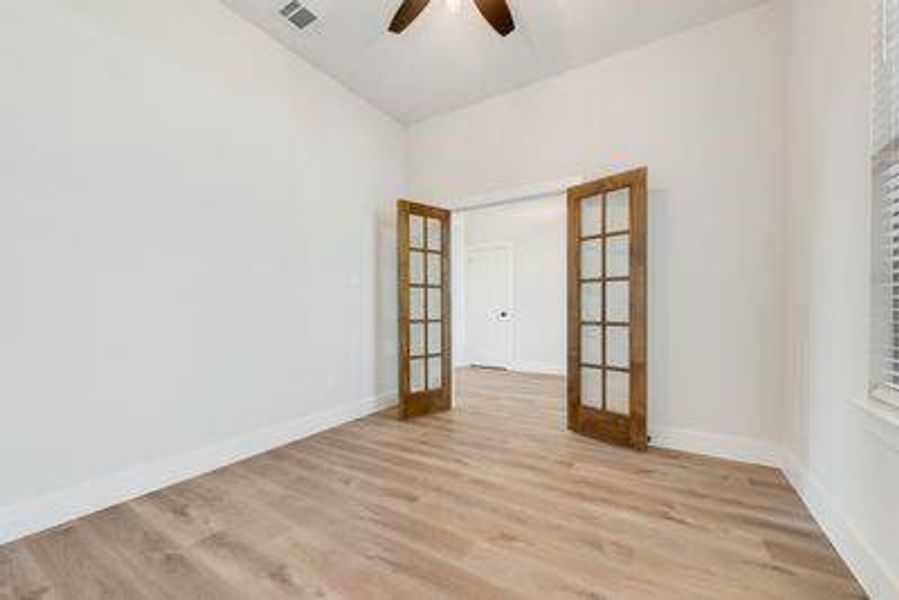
496, 12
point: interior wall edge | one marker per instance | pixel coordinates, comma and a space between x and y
866, 564
64, 505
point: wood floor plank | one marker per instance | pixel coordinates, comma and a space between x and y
21, 577
148, 551
494, 499
79, 567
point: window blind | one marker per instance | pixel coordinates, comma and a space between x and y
885, 209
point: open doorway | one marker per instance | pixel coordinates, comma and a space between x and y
509, 291
546, 284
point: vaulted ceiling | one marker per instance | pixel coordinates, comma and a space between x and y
447, 60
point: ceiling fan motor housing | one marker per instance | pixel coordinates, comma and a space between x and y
496, 12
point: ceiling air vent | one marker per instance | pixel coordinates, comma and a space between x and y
298, 14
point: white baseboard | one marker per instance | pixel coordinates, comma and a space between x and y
870, 570
719, 446
538, 368
524, 367
59, 507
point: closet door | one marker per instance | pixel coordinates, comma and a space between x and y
607, 221
425, 344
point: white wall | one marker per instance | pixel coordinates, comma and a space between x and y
195, 245
842, 456
535, 230
705, 111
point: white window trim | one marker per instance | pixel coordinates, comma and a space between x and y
881, 416
886, 396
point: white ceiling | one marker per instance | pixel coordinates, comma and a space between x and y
446, 61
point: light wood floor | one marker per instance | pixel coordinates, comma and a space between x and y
493, 500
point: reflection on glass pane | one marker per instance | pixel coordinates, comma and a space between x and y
416, 232
591, 302
618, 346
434, 265
618, 393
434, 339
618, 210
617, 302
434, 303
416, 339
591, 216
417, 375
434, 234
618, 256
591, 388
591, 259
416, 267
435, 380
591, 345
416, 304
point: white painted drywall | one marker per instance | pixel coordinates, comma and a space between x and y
843, 458
705, 111
535, 231
196, 239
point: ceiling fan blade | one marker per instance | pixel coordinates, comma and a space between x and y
498, 14
408, 11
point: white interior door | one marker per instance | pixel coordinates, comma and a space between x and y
488, 306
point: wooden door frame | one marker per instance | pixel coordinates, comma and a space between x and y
624, 430
426, 402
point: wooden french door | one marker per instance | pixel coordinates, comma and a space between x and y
607, 388
425, 317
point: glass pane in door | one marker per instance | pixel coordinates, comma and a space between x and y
416, 268
434, 301
416, 304
618, 392
434, 338
617, 302
416, 375
591, 259
591, 302
434, 234
618, 210
591, 345
434, 269
618, 347
617, 256
416, 339
435, 378
591, 388
591, 216
416, 232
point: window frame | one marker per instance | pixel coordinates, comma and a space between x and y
884, 156
884, 303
